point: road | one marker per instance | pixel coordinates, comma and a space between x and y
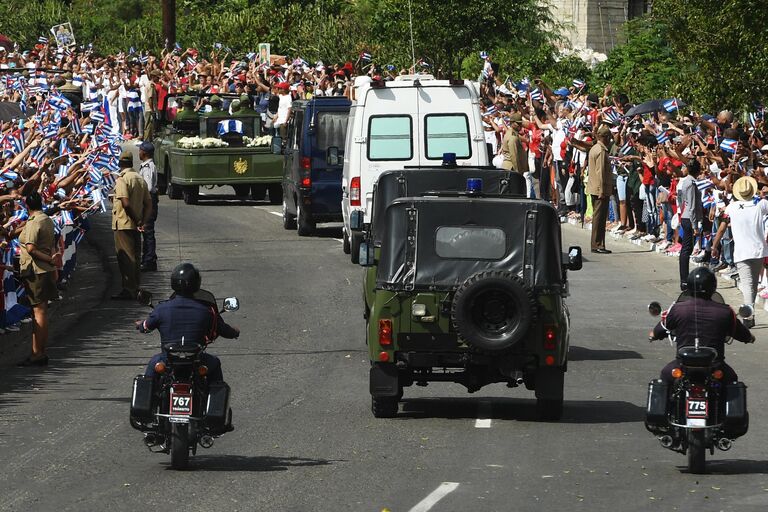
305, 439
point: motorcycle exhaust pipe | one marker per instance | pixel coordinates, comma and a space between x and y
519, 381
666, 441
724, 444
206, 441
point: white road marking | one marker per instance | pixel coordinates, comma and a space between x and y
441, 492
483, 411
276, 213
341, 241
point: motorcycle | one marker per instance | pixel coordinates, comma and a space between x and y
180, 409
698, 412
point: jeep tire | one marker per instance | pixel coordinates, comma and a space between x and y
241, 191
258, 192
493, 311
549, 409
191, 194
354, 247
172, 190
306, 225
384, 406
275, 194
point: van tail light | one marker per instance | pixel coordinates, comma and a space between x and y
354, 191
385, 332
306, 163
550, 338
306, 172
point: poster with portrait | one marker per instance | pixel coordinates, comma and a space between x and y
264, 53
64, 35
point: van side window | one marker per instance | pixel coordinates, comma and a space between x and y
298, 127
390, 138
447, 133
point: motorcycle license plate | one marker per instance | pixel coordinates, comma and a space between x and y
181, 401
696, 411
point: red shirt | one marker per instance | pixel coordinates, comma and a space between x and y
162, 93
647, 175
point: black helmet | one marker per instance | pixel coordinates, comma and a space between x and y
185, 279
702, 283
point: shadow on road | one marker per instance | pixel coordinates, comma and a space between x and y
241, 463
574, 411
734, 467
588, 354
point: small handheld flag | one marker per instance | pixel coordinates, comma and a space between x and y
671, 105
729, 145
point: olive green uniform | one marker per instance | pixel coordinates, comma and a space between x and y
127, 237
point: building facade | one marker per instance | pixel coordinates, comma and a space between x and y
596, 24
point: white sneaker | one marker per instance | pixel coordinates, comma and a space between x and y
27, 320
13, 328
649, 237
663, 245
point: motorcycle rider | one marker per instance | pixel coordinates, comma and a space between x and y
190, 314
704, 318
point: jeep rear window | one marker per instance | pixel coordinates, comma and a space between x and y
331, 130
470, 242
390, 138
447, 133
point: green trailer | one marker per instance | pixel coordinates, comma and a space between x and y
182, 169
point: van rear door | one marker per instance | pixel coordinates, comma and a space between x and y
327, 157
391, 128
448, 124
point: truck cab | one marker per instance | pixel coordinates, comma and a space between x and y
313, 162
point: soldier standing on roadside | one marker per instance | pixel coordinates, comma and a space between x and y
131, 209
148, 172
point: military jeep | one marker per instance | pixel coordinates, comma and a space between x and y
469, 288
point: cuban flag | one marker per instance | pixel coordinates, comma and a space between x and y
144, 59
89, 105
575, 105
579, 84
79, 235
707, 200
97, 116
176, 47
59, 102
626, 148
191, 62
670, 105
38, 155
131, 50
42, 40
729, 145
365, 57
23, 102
484, 55
230, 126
536, 95
662, 138
611, 115
704, 184
755, 117
490, 110
74, 123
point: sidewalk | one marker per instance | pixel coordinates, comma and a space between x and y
87, 287
727, 287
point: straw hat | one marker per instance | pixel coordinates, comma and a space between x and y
745, 188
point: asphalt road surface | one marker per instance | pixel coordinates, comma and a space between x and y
305, 439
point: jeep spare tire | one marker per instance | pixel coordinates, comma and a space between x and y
493, 310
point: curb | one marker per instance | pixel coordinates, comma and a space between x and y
87, 286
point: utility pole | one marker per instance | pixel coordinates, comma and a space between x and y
169, 23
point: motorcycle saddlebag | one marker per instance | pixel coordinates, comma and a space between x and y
736, 416
656, 407
217, 405
141, 401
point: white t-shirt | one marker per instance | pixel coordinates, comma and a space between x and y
557, 140
748, 228
282, 109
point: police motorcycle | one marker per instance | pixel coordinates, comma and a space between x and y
179, 409
698, 412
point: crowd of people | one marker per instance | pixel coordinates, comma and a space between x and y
658, 172
653, 171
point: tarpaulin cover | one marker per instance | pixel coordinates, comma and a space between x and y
415, 182
402, 265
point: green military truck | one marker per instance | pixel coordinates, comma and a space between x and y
190, 153
468, 287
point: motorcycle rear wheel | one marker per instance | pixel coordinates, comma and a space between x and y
696, 452
179, 446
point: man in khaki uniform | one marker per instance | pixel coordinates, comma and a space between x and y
131, 208
37, 265
600, 187
515, 158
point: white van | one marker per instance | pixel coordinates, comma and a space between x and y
412, 120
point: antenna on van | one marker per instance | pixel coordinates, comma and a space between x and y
410, 22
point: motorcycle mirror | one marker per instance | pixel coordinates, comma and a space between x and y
231, 304
144, 298
654, 308
746, 311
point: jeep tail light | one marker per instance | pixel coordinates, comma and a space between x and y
385, 331
384, 356
159, 367
354, 191
550, 338
677, 373
306, 162
717, 374
549, 360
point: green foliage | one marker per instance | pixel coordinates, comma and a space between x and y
644, 67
